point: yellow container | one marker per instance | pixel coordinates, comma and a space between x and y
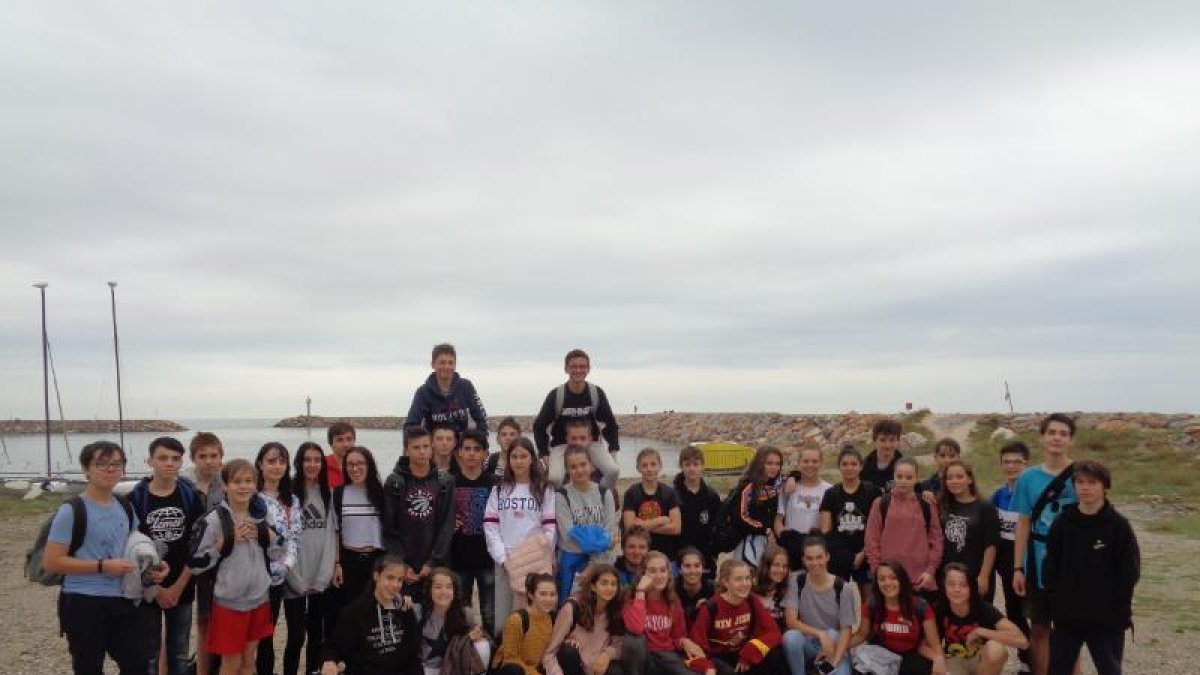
725, 456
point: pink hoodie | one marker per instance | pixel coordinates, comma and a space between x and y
906, 539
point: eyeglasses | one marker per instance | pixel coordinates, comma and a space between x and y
109, 466
356, 465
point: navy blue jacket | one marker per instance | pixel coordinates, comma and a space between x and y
457, 408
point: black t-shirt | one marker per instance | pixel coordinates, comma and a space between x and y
468, 548
968, 529
954, 629
647, 507
880, 476
691, 602
848, 515
167, 521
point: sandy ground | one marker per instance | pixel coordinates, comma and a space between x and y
1168, 628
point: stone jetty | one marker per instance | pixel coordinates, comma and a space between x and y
15, 427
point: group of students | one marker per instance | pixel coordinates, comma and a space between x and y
378, 575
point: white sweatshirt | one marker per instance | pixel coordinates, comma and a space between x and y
512, 515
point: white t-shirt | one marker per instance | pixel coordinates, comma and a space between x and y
802, 509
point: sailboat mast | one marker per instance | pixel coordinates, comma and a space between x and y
41, 286
112, 288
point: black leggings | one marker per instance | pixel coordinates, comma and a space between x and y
572, 664
772, 664
305, 617
356, 576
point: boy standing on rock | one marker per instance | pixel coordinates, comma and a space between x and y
1039, 496
880, 466
578, 399
446, 397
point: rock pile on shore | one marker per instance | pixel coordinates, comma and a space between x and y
14, 427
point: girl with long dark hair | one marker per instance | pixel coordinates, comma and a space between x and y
588, 631
896, 618
771, 582
275, 488
376, 632
519, 524
357, 511
970, 525
304, 603
758, 503
446, 629
975, 635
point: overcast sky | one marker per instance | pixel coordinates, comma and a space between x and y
797, 207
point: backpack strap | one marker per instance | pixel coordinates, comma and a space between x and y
226, 520
338, 496
524, 614
78, 524
838, 585
560, 396
1049, 496
594, 394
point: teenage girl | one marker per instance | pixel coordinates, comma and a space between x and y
275, 487
588, 630
904, 534
896, 618
970, 525
656, 635
245, 569
445, 619
304, 594
377, 632
520, 507
734, 630
693, 588
771, 583
975, 635
357, 508
526, 632
759, 502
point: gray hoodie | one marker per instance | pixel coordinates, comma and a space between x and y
244, 578
318, 547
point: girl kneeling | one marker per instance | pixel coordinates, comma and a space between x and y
449, 643
734, 630
376, 632
655, 625
975, 635
588, 629
526, 633
896, 619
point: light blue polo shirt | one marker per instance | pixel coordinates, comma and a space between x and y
107, 531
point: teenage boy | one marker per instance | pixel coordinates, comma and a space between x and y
93, 612
578, 399
1014, 457
341, 438
446, 397
820, 614
699, 506
168, 508
880, 466
444, 440
1046, 489
208, 455
844, 511
418, 511
1092, 564
653, 505
947, 450
469, 556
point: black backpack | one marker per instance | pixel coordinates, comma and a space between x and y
729, 528
227, 540
35, 554
838, 585
1048, 498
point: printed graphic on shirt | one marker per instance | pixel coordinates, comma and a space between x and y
734, 629
385, 636
166, 524
649, 510
313, 518
703, 516
419, 503
850, 520
518, 505
449, 414
658, 623
469, 505
588, 515
955, 531
1008, 525
583, 411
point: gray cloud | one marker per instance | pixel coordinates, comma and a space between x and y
783, 207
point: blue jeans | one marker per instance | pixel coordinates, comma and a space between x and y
179, 632
802, 651
485, 578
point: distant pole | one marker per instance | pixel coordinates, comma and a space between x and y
1008, 397
41, 286
308, 416
112, 290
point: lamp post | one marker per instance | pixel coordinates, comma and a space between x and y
112, 289
41, 286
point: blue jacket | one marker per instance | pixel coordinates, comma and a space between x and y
140, 498
457, 408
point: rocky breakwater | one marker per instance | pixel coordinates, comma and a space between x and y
1184, 428
378, 422
756, 429
14, 427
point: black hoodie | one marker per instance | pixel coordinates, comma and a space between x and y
882, 478
418, 515
698, 516
1092, 564
371, 639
